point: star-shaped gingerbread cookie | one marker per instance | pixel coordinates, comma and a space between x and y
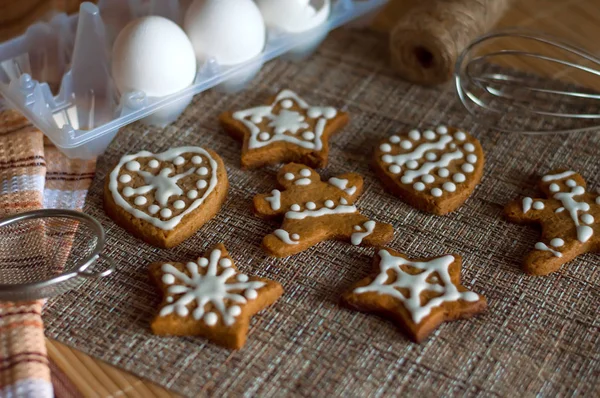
568, 218
210, 297
315, 210
287, 129
418, 295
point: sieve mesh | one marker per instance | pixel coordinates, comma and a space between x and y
41, 251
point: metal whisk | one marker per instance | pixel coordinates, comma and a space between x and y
512, 100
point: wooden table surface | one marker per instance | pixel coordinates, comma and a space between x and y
575, 20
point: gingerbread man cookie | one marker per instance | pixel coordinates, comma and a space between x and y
210, 297
287, 129
314, 211
418, 295
164, 198
569, 221
433, 171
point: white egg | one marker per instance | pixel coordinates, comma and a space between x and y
153, 55
294, 15
231, 31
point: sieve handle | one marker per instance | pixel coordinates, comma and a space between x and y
102, 273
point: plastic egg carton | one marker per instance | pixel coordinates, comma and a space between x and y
58, 73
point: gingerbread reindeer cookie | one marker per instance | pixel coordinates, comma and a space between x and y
568, 218
287, 129
417, 294
314, 211
210, 297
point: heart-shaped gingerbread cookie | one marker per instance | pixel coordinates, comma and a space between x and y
432, 170
164, 198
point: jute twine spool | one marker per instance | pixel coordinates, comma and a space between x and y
426, 42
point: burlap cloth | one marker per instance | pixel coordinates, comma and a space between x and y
540, 336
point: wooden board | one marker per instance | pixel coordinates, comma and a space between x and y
575, 20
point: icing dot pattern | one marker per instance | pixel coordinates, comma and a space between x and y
432, 161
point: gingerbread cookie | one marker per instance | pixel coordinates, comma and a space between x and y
569, 219
418, 295
287, 129
314, 211
164, 198
210, 297
433, 171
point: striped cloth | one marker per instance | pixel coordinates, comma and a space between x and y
33, 175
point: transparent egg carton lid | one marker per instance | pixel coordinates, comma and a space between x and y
58, 73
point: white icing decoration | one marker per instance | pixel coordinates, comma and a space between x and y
395, 169
285, 237
164, 185
128, 192
414, 135
357, 237
341, 209
459, 177
201, 184
428, 179
469, 147
242, 277
538, 205
416, 284
406, 144
560, 209
395, 139
274, 199
178, 161
154, 163
133, 165
305, 173
472, 158
443, 172
125, 178
289, 176
419, 186
429, 135
543, 247
264, 136
449, 186
560, 176
303, 181
342, 184
436, 192
468, 168
212, 287
557, 242
166, 213
225, 262
153, 209
385, 147
286, 122
571, 183
442, 130
460, 136
140, 201
287, 104
193, 194
311, 205
308, 135
328, 203
202, 171
554, 188
411, 164
295, 207
387, 158
168, 279
427, 167
587, 219
179, 204
431, 156
527, 202
196, 160
343, 201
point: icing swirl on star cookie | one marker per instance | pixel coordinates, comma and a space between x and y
279, 122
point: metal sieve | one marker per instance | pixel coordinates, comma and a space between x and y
44, 253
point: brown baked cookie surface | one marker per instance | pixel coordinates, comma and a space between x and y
418, 295
568, 217
210, 297
287, 129
164, 198
315, 210
432, 170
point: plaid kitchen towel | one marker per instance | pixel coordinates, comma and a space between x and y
33, 175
